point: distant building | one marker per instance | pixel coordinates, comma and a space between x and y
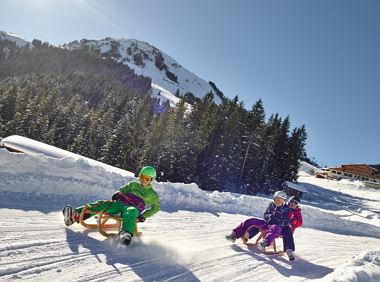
362, 172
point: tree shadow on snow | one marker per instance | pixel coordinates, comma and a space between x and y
337, 223
198, 209
333, 200
149, 261
298, 267
42, 203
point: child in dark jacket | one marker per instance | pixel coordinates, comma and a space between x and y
277, 218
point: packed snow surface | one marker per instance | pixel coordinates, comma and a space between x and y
339, 241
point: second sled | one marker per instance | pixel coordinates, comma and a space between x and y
269, 250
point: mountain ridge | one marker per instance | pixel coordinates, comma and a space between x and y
147, 60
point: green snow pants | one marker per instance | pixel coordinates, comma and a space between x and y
127, 213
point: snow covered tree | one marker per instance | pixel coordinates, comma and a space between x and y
254, 130
222, 162
296, 151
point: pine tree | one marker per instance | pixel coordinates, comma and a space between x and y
180, 149
279, 165
8, 97
152, 152
254, 130
115, 146
221, 166
22, 117
271, 133
296, 151
202, 122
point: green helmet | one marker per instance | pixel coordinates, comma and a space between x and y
148, 171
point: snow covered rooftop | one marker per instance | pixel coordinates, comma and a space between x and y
296, 186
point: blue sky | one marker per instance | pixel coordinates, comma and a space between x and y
316, 61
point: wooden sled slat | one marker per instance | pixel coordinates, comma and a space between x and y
262, 234
104, 227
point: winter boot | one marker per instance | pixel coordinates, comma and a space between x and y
289, 253
231, 237
70, 215
245, 239
262, 245
125, 237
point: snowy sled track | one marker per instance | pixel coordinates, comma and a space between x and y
183, 242
177, 246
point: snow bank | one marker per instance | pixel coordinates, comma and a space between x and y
40, 178
36, 178
364, 268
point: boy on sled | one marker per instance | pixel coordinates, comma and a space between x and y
129, 202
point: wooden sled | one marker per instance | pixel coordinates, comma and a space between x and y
107, 224
270, 250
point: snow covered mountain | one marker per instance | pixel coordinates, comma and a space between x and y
149, 61
168, 76
20, 42
339, 240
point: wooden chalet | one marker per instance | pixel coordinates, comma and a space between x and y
361, 172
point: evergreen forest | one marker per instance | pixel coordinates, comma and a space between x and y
89, 104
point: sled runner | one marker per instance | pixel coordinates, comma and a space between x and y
261, 234
107, 224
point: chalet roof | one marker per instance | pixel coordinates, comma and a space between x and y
295, 186
359, 165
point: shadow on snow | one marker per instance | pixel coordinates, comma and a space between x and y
299, 267
149, 261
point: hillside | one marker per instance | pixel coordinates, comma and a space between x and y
149, 61
167, 75
183, 242
20, 42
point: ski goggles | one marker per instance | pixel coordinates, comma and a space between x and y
294, 202
145, 178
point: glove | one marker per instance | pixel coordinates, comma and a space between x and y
141, 218
271, 220
115, 196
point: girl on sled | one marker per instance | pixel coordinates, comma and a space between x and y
279, 219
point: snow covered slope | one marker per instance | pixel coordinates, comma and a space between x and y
20, 42
167, 75
183, 242
308, 168
149, 61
